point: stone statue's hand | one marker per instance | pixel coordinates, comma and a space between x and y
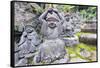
24, 34
55, 10
50, 10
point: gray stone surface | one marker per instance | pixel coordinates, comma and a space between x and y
28, 42
89, 27
88, 38
51, 50
71, 41
26, 14
85, 53
76, 22
16, 57
27, 45
71, 24
22, 62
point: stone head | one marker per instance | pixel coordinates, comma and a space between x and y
67, 17
52, 20
29, 28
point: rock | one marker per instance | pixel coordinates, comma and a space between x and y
70, 41
36, 59
16, 47
50, 50
88, 38
89, 27
21, 15
26, 14
22, 62
16, 57
85, 53
93, 56
29, 55
62, 60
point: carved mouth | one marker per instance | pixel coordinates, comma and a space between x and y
52, 25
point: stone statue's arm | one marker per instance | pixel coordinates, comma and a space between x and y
42, 18
61, 17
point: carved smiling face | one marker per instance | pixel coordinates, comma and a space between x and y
52, 22
67, 17
29, 29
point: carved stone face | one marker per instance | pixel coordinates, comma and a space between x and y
67, 17
52, 24
29, 29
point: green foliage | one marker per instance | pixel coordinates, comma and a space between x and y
37, 9
65, 8
89, 13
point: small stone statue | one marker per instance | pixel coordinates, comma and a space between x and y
71, 24
76, 22
28, 42
68, 26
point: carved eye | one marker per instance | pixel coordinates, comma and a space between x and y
30, 39
71, 17
25, 36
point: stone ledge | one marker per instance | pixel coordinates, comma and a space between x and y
70, 41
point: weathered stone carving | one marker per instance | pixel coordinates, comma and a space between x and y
68, 27
76, 22
53, 47
71, 24
28, 42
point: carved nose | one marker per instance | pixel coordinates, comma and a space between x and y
52, 23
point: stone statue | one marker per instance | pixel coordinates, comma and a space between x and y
52, 48
28, 42
76, 22
68, 27
71, 26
